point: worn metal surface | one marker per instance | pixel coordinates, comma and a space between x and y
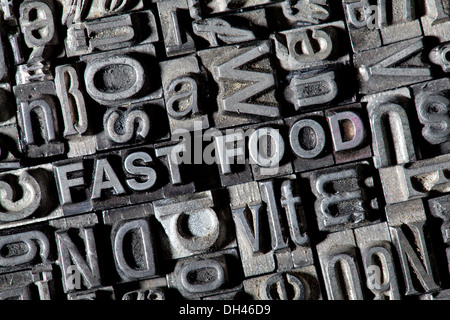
224, 150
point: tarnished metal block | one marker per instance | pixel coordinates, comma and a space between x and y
132, 222
295, 48
392, 141
37, 22
346, 196
338, 261
246, 80
362, 25
440, 209
111, 33
135, 124
120, 77
374, 243
28, 196
310, 141
183, 84
78, 10
41, 138
193, 224
222, 6
432, 100
440, 56
100, 294
26, 248
70, 92
280, 243
34, 284
231, 28
205, 275
176, 27
349, 132
296, 284
378, 68
289, 14
415, 180
9, 147
407, 227
75, 260
384, 23
268, 154
436, 21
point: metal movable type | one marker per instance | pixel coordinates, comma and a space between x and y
374, 243
391, 66
132, 125
7, 9
385, 22
415, 180
176, 28
232, 28
26, 196
34, 284
310, 141
407, 227
142, 176
23, 250
296, 284
111, 33
311, 46
340, 269
75, 260
78, 10
206, 275
362, 18
216, 6
107, 190
349, 133
345, 196
304, 91
266, 148
37, 22
193, 224
14, 40
440, 55
111, 180
74, 112
38, 71
134, 259
436, 20
181, 180
287, 247
231, 158
392, 142
9, 147
246, 199
289, 14
182, 84
398, 20
102, 294
246, 83
73, 186
145, 294
439, 208
121, 77
438, 295
432, 100
4, 74
38, 120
